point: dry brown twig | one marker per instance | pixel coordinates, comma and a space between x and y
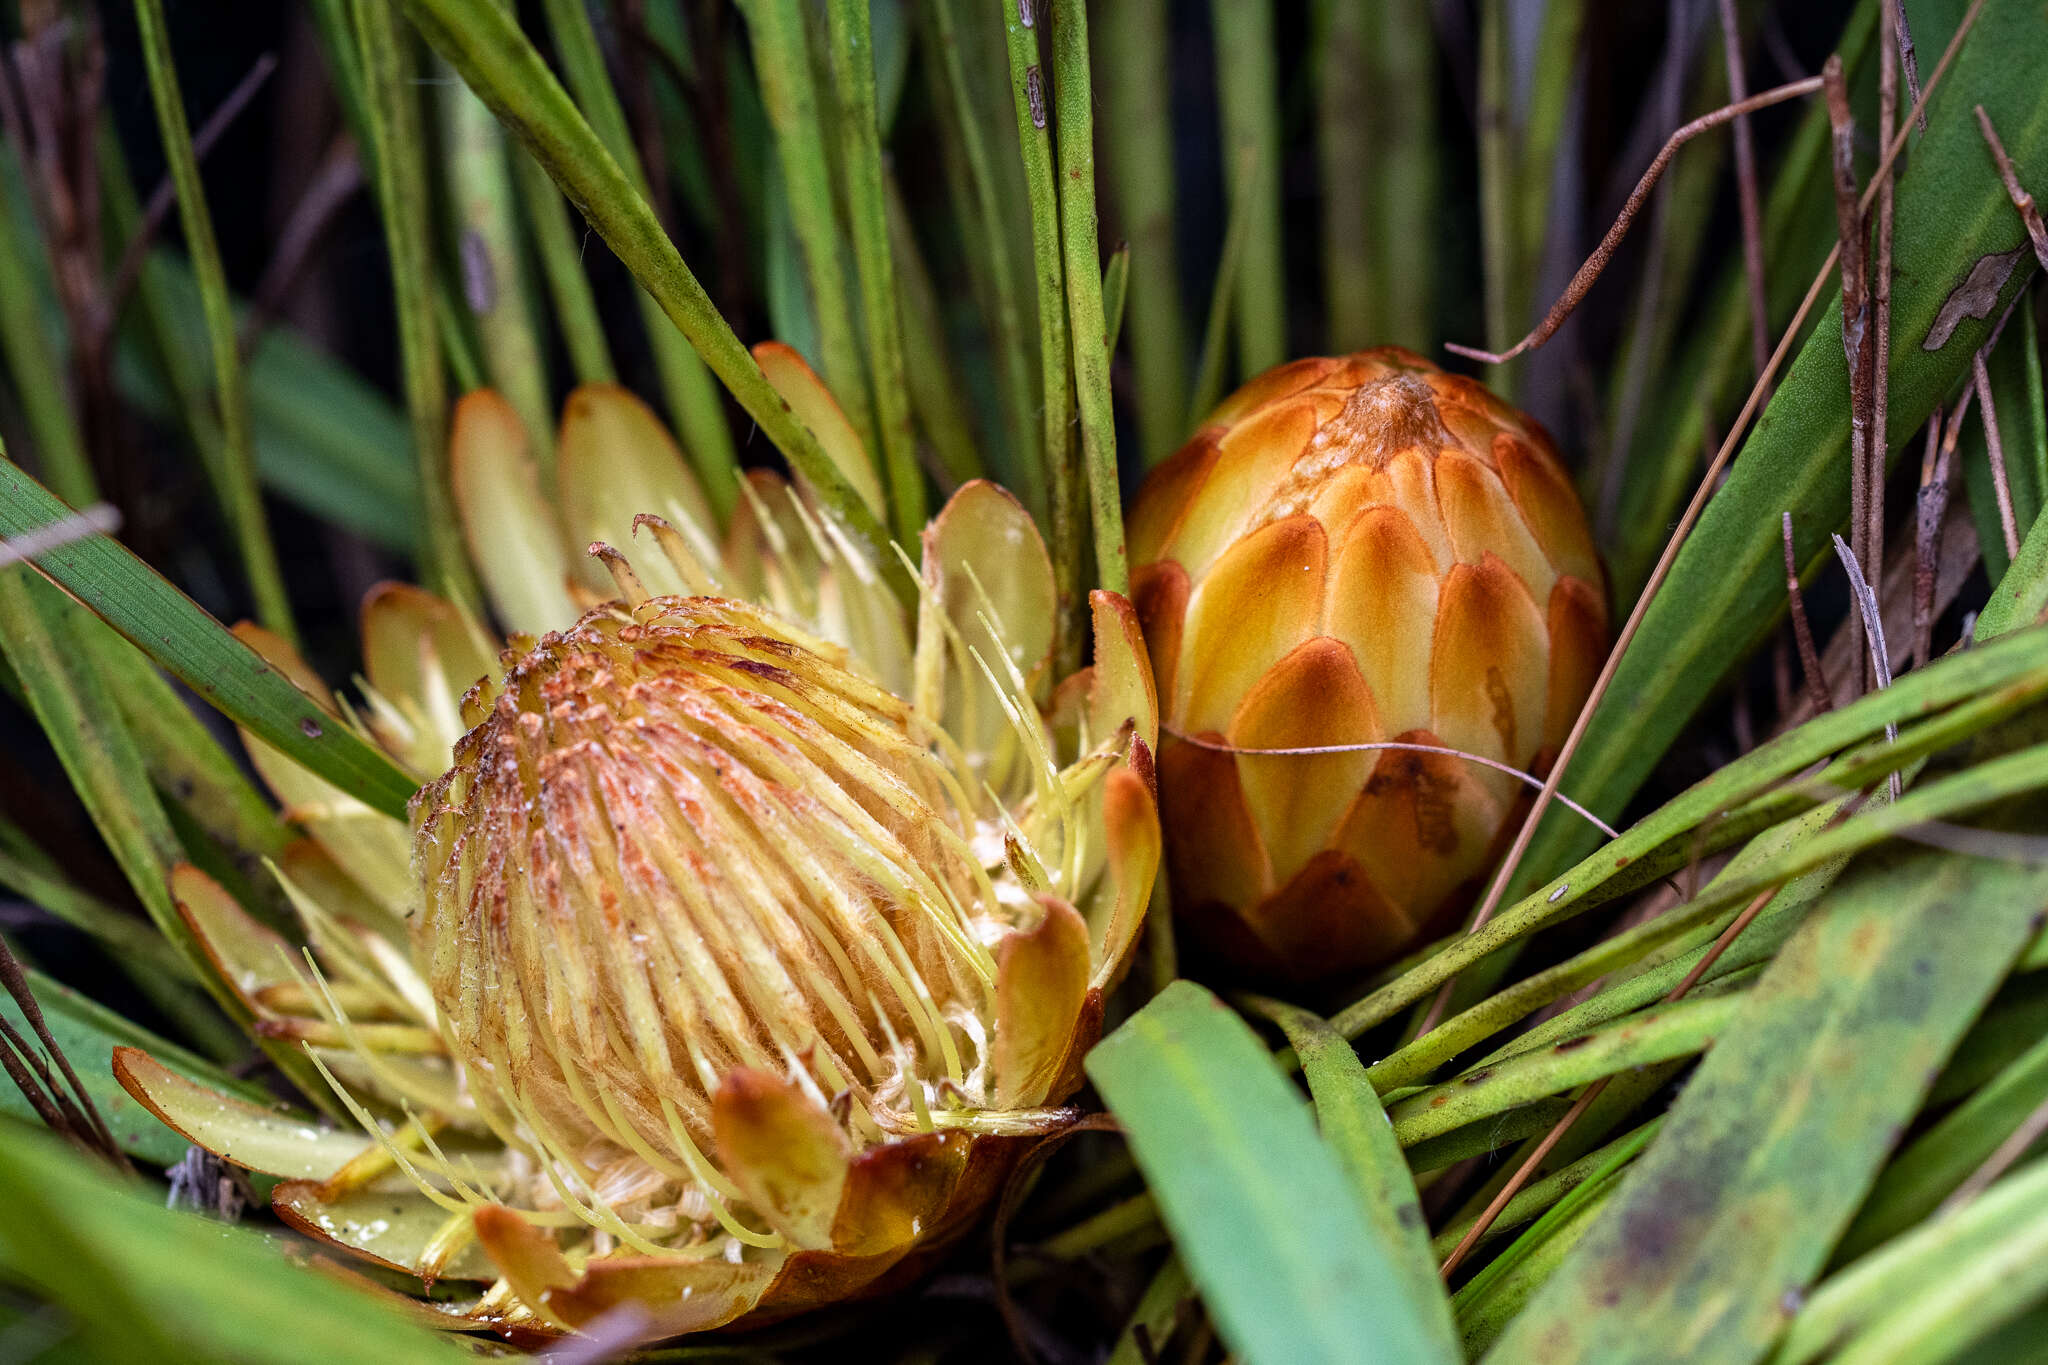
1575, 292
2001, 486
2030, 213
1708, 483
1746, 194
1930, 505
1802, 629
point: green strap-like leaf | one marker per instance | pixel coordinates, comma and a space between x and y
1356, 1126
1271, 1233
193, 647
1779, 1135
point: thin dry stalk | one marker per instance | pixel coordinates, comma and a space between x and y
333, 185
1895, 12
67, 1109
2000, 486
1746, 192
1856, 320
2030, 214
1881, 328
2012, 1149
1592, 1092
1929, 507
1602, 254
1708, 483
1802, 628
164, 198
1878, 651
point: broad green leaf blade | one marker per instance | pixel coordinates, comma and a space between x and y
1257, 1204
193, 647
1356, 1127
1727, 588
140, 1283
1781, 1132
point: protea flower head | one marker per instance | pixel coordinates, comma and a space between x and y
725, 969
1351, 551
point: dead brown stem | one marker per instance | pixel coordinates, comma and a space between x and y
2030, 214
2000, 486
1879, 417
1929, 506
1908, 58
1708, 483
1802, 628
1575, 292
1856, 322
333, 185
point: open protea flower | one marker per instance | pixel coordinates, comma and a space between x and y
730, 965
1351, 551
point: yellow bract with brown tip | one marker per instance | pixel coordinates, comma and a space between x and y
1355, 551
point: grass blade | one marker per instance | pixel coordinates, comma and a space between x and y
1258, 1205
498, 62
860, 155
235, 472
1352, 1121
1248, 95
194, 648
1074, 99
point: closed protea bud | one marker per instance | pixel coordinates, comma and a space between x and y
1352, 551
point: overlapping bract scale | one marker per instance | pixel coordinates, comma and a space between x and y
1351, 551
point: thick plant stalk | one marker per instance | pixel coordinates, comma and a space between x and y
234, 474
853, 75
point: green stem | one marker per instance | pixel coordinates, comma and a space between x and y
1248, 92
782, 61
1090, 330
693, 401
1028, 96
853, 75
235, 476
498, 62
561, 266
979, 203
935, 386
36, 374
493, 269
401, 181
1498, 187
1136, 105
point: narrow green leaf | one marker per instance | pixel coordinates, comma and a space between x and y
1073, 93
1357, 1129
1116, 284
1542, 1195
35, 374
1248, 97
194, 648
935, 385
860, 159
390, 99
1131, 42
1031, 101
140, 1283
1257, 1204
484, 44
692, 401
235, 473
561, 263
1845, 1030
1932, 1292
